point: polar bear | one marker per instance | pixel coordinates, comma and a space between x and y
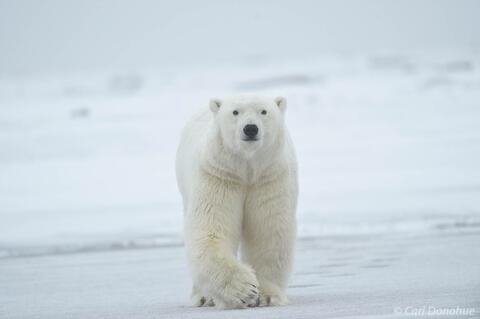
237, 174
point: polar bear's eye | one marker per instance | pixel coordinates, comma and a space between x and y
235, 112
264, 112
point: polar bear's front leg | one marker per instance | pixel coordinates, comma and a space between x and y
269, 237
212, 234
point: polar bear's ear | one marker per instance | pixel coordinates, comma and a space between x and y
281, 103
215, 105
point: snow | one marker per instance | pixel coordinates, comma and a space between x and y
389, 209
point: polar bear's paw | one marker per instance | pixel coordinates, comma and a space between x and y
272, 299
198, 300
240, 291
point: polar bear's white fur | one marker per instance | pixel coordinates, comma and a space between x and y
239, 190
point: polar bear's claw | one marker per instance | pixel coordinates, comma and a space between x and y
201, 301
256, 304
272, 300
197, 300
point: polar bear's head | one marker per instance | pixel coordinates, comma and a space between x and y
248, 124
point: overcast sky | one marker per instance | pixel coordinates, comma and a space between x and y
50, 36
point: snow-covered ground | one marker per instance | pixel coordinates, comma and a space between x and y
364, 276
388, 147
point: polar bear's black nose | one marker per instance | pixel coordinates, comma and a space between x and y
250, 130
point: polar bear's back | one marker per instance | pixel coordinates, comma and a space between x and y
189, 150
